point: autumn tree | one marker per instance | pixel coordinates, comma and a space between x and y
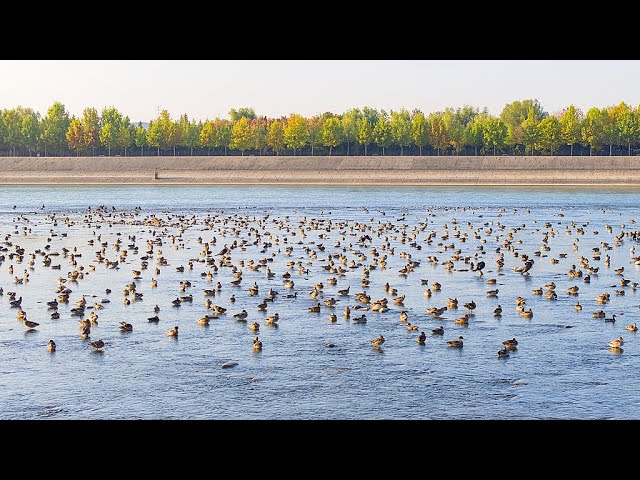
242, 135
223, 134
350, 126
550, 135
244, 112
54, 129
592, 132
331, 133
628, 128
260, 133
530, 131
474, 132
420, 131
30, 130
140, 138
314, 128
208, 135
13, 128
275, 138
382, 132
296, 132
75, 135
495, 133
365, 133
438, 131
401, 128
454, 129
91, 129
570, 123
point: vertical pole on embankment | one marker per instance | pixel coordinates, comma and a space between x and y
155, 173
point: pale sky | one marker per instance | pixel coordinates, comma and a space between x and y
209, 88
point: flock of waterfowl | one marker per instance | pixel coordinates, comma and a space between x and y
281, 253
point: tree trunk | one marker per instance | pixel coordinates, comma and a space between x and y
348, 148
420, 150
476, 150
192, 150
401, 150
125, 150
383, 151
610, 147
312, 149
438, 149
365, 149
209, 151
45, 149
242, 152
225, 150
109, 149
494, 150
572, 149
629, 148
330, 150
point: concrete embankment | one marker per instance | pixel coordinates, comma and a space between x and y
325, 170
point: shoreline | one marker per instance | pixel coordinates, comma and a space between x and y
340, 171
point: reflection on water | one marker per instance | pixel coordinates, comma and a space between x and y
556, 371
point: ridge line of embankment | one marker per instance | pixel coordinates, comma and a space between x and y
348, 171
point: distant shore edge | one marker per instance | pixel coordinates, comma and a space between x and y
324, 170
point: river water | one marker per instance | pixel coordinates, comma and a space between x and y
557, 372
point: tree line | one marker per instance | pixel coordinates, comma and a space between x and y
523, 127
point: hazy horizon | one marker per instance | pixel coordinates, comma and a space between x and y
210, 88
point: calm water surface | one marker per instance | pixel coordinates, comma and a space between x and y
557, 372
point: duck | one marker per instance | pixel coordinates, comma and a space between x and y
464, 320
204, 321
85, 332
272, 321
255, 326
241, 316
599, 314
344, 292
577, 306
362, 319
438, 331
333, 318
470, 306
173, 332
314, 309
456, 343
503, 353
527, 313
510, 344
347, 312
30, 325
497, 312
257, 345
156, 309
98, 345
404, 316
154, 319
126, 327
632, 328
378, 341
422, 338
617, 343
51, 346
411, 327
611, 320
